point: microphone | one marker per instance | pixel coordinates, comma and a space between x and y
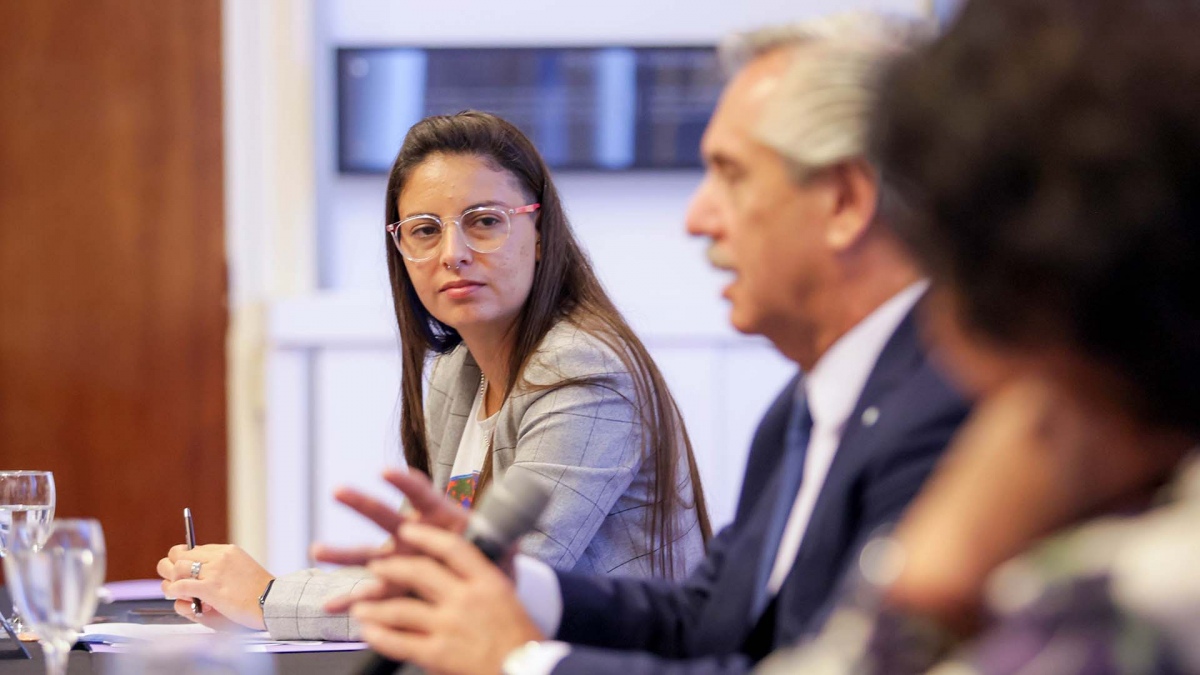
507, 512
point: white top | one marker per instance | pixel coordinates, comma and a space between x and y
472, 452
833, 388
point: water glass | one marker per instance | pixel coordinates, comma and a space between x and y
55, 583
26, 500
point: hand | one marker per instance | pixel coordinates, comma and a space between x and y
448, 610
229, 585
428, 505
1034, 457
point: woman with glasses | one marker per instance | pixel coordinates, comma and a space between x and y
533, 370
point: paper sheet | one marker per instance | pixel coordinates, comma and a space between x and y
118, 637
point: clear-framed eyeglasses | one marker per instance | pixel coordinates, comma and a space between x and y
484, 229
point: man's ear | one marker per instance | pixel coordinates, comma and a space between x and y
856, 186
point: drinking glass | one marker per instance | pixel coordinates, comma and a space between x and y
26, 499
55, 583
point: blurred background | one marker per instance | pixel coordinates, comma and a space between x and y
194, 308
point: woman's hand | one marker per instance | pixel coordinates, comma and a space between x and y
229, 585
446, 608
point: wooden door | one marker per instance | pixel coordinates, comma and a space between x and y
112, 265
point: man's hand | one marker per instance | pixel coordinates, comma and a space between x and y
229, 585
448, 609
427, 505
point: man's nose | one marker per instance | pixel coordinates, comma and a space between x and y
701, 219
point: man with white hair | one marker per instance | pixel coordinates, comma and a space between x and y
798, 214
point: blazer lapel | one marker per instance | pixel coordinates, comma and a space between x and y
900, 356
726, 622
460, 384
727, 619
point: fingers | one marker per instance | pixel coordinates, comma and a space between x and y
165, 569
367, 590
450, 549
357, 555
383, 515
201, 553
176, 570
433, 506
423, 577
404, 614
392, 644
210, 617
185, 589
184, 608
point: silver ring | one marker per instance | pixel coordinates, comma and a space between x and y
195, 570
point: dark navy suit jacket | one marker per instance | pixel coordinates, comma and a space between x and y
703, 625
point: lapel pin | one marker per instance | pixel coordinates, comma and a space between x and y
870, 416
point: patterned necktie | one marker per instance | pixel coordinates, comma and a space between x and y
791, 472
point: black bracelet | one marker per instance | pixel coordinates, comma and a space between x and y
262, 599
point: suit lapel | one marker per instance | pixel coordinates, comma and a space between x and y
766, 449
725, 627
900, 356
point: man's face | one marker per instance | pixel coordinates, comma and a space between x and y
765, 226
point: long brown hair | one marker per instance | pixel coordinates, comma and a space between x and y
564, 288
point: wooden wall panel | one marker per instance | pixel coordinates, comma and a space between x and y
112, 264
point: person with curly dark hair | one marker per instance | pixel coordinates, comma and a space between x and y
1048, 156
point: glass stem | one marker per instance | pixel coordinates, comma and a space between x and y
56, 654
14, 620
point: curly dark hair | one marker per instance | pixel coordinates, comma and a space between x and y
1049, 151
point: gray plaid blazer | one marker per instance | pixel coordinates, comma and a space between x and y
583, 440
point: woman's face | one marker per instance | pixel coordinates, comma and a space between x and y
464, 289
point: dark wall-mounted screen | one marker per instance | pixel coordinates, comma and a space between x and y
585, 108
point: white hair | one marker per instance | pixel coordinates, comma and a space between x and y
819, 116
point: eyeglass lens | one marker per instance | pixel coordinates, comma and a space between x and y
484, 231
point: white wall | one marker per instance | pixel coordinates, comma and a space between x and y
333, 370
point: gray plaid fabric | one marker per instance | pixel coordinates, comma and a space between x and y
294, 607
583, 440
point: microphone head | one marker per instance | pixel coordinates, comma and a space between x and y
510, 509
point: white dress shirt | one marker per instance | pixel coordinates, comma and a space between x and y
833, 388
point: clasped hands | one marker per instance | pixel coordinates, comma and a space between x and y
435, 600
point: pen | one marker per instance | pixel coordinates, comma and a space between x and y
197, 608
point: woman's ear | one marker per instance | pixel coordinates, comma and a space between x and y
537, 251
